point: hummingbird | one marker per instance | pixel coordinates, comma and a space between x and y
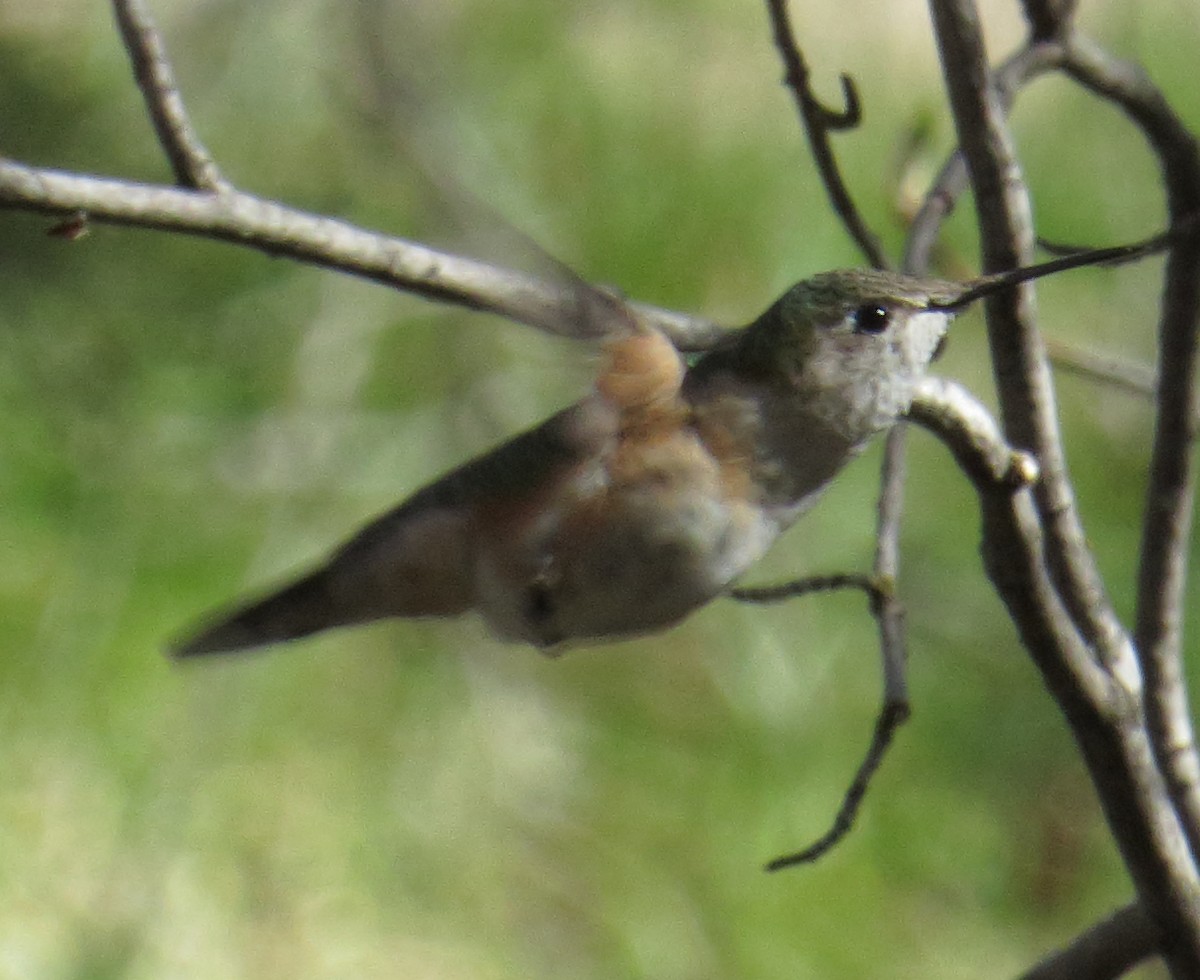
654, 493
647, 498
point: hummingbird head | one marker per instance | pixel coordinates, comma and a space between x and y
850, 345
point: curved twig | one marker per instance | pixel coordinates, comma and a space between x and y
890, 719
849, 117
968, 429
895, 710
819, 121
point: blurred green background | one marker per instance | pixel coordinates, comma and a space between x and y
183, 421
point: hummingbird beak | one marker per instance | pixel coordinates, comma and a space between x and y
1116, 255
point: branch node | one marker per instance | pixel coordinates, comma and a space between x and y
71, 228
1023, 470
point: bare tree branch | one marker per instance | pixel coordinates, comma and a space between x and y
559, 307
1012, 544
1105, 713
1039, 56
1022, 373
819, 122
889, 615
1167, 519
1107, 950
887, 607
194, 167
268, 227
1106, 721
960, 420
1170, 495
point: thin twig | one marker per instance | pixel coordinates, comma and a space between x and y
273, 229
819, 121
890, 616
194, 167
805, 586
1136, 379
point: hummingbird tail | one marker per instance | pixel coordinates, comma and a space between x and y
305, 607
415, 561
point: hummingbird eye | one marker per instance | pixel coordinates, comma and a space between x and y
872, 317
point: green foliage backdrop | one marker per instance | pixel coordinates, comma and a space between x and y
182, 421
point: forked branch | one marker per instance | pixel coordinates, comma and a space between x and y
194, 167
1038, 557
1170, 495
